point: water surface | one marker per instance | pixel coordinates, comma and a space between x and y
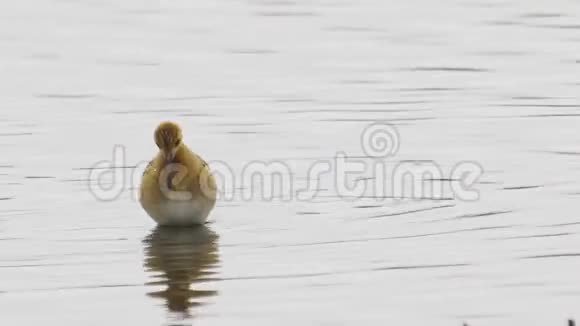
494, 82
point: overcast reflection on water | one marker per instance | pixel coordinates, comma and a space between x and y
293, 82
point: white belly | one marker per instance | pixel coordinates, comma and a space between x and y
181, 213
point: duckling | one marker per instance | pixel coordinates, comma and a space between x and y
177, 187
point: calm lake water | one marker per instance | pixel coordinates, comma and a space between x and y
492, 82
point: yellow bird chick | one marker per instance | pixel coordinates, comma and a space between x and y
177, 187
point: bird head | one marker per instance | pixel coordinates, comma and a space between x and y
168, 138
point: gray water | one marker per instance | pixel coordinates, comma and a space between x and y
493, 82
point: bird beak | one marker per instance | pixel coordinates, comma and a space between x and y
169, 154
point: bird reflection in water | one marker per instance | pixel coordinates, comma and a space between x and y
179, 258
